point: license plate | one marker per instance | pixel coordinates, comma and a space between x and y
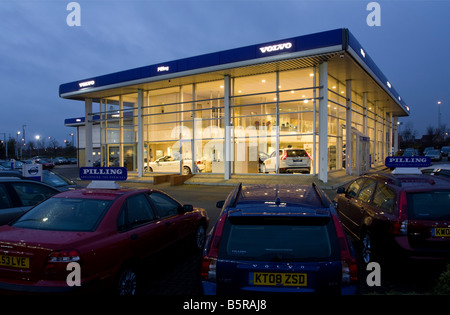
440, 232
278, 279
14, 261
298, 160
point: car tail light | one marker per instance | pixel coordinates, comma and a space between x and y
284, 156
63, 256
208, 268
400, 226
57, 261
308, 155
349, 264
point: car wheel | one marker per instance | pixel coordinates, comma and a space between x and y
367, 248
200, 237
126, 283
186, 170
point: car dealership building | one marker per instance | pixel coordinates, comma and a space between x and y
228, 111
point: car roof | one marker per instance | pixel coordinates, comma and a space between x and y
280, 199
414, 181
95, 193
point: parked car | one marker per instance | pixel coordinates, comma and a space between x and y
427, 149
49, 177
17, 196
278, 239
410, 153
291, 160
435, 155
397, 215
109, 232
442, 170
168, 164
47, 164
7, 164
60, 160
445, 152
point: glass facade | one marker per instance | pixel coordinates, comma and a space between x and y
185, 128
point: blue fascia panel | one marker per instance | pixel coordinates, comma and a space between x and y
301, 43
365, 57
320, 40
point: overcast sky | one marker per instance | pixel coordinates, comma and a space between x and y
39, 51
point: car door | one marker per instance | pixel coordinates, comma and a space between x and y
347, 204
364, 212
168, 211
8, 208
270, 162
28, 195
138, 219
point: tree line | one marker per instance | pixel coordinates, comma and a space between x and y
14, 149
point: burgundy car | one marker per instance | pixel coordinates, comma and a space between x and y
107, 232
400, 214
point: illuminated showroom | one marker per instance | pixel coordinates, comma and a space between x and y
240, 110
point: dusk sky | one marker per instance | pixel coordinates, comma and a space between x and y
39, 50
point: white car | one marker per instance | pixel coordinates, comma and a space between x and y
291, 160
433, 168
167, 164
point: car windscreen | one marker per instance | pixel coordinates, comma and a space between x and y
296, 153
65, 214
279, 239
55, 180
429, 205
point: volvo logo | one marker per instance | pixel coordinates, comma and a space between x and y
86, 83
162, 69
277, 47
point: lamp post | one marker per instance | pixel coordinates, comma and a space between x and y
37, 137
439, 115
18, 145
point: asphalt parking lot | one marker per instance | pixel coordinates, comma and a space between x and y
177, 273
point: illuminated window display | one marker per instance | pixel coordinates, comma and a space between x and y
245, 111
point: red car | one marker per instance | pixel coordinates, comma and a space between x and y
398, 215
107, 232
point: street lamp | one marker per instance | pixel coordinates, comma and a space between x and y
37, 137
439, 114
17, 154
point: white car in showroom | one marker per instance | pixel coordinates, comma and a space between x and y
167, 164
291, 160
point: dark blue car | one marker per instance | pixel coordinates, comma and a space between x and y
278, 239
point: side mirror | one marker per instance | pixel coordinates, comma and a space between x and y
220, 204
187, 208
340, 190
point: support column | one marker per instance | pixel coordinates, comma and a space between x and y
389, 135
121, 157
395, 134
348, 128
375, 140
88, 132
365, 113
228, 127
140, 135
323, 122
